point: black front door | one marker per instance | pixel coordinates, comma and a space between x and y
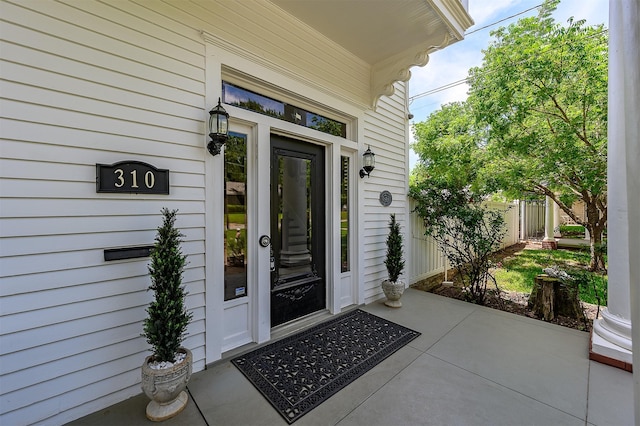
297, 229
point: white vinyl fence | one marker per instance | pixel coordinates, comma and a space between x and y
427, 260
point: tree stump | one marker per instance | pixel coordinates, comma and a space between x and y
551, 297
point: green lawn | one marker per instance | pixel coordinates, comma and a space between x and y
518, 272
236, 218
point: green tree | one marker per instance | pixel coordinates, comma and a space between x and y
449, 147
449, 194
541, 97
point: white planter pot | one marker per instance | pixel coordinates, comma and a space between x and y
165, 387
393, 291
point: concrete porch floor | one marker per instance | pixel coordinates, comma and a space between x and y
471, 366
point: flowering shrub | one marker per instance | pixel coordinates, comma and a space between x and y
467, 233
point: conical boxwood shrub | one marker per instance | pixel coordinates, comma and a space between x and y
166, 324
394, 262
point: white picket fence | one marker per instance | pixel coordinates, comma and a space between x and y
427, 259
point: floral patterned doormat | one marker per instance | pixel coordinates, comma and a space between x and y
298, 373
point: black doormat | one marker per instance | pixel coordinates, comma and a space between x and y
298, 373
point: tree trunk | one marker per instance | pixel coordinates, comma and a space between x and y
595, 225
595, 222
550, 298
595, 247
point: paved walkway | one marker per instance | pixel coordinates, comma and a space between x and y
471, 366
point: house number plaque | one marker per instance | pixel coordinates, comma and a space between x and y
132, 177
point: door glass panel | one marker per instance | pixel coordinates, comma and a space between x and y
235, 216
294, 218
344, 215
298, 213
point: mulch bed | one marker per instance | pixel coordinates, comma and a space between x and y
512, 302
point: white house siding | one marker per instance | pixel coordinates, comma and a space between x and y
386, 131
276, 41
86, 82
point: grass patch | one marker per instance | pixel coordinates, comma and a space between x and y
518, 272
236, 218
572, 231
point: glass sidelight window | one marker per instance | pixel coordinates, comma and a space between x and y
344, 214
235, 216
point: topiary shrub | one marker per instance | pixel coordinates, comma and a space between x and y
393, 261
167, 320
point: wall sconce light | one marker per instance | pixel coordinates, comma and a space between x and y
368, 163
218, 128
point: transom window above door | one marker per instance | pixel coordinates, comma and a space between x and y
243, 98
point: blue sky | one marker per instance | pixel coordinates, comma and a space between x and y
452, 64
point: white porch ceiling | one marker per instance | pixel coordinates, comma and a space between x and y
389, 35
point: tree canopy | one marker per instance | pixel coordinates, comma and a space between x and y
535, 122
448, 144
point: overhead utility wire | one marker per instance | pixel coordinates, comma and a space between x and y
459, 82
465, 80
502, 20
438, 89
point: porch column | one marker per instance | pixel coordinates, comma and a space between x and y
612, 334
294, 251
556, 221
549, 242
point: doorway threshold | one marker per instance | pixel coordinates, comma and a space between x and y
282, 331
299, 324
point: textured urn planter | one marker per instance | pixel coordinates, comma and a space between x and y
166, 325
166, 387
393, 291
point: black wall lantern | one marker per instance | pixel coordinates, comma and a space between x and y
368, 163
218, 128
